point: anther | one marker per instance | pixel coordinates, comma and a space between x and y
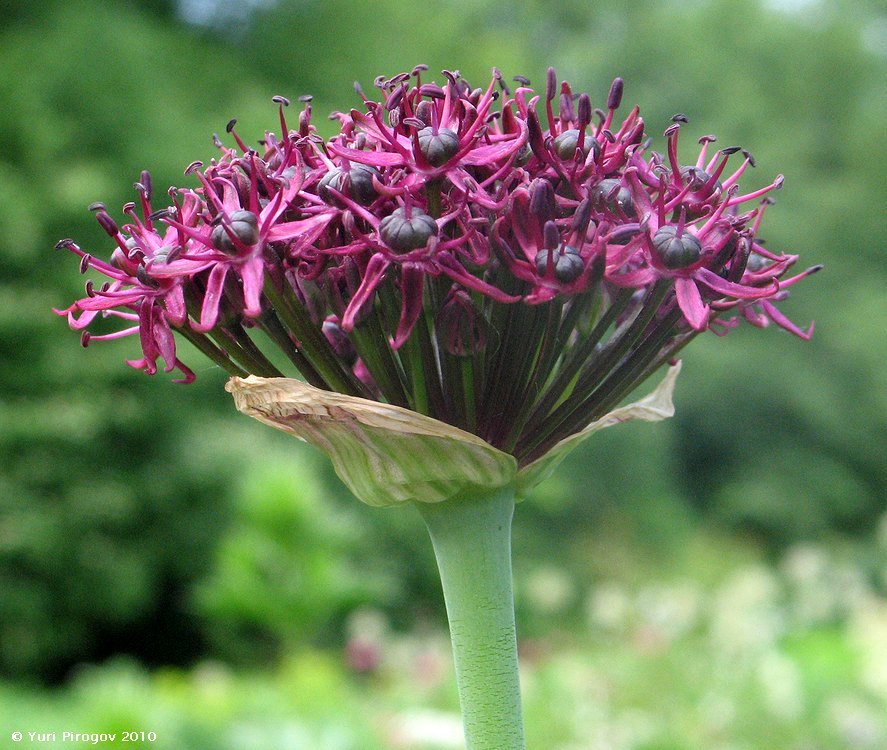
550, 84
145, 181
614, 99
584, 111
108, 224
551, 235
395, 99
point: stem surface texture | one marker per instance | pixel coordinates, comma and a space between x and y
472, 543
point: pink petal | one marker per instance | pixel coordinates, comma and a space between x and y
485, 155
164, 339
373, 158
731, 289
783, 322
412, 282
175, 305
457, 272
304, 231
253, 274
209, 311
146, 332
372, 277
690, 302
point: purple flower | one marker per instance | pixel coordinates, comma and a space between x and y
509, 262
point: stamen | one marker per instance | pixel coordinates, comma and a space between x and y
614, 98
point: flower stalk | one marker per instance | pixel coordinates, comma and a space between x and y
472, 544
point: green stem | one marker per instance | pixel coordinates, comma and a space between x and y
472, 544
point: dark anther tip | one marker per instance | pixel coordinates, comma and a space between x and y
730, 150
84, 339
751, 159
584, 109
230, 126
305, 98
98, 206
65, 244
161, 213
708, 139
614, 99
522, 80
277, 99
779, 182
680, 118
193, 167
815, 269
420, 68
550, 84
84, 263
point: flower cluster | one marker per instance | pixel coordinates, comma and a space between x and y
508, 262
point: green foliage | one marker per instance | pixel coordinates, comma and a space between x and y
288, 569
104, 521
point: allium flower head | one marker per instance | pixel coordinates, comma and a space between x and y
507, 261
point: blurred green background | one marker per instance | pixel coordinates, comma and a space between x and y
716, 582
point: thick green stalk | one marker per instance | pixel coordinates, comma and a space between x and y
472, 543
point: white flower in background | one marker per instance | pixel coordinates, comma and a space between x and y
746, 616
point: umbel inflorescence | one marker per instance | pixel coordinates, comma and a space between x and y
508, 262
